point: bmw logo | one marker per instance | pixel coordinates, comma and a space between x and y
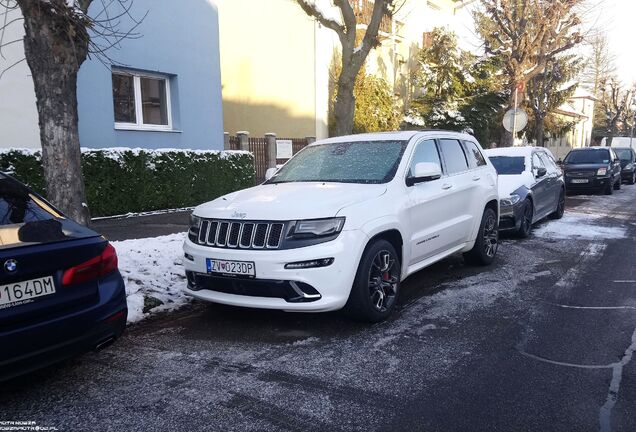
11, 266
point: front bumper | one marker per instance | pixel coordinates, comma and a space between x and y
510, 217
593, 183
274, 287
36, 345
627, 174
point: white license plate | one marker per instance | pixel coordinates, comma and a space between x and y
18, 292
579, 180
233, 268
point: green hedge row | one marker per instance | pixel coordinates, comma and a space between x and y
120, 181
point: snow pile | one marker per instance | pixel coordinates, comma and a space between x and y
154, 275
579, 226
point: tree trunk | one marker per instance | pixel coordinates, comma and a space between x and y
344, 105
539, 129
55, 48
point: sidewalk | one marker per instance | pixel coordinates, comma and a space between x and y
136, 227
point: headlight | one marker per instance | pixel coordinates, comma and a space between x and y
629, 166
514, 199
316, 227
601, 171
195, 224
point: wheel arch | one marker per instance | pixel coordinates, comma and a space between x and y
393, 236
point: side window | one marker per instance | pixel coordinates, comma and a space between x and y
547, 162
454, 156
475, 157
426, 151
536, 161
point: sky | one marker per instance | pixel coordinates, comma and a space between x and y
618, 18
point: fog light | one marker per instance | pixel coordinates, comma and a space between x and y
188, 257
323, 262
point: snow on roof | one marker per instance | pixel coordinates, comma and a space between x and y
569, 110
581, 93
395, 136
525, 151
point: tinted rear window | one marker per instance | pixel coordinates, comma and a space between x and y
593, 156
508, 165
18, 206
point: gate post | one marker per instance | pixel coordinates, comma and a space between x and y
271, 150
226, 141
244, 140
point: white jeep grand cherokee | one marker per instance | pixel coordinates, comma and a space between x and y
343, 222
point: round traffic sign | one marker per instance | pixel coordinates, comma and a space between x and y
516, 118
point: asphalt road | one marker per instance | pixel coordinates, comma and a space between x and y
541, 341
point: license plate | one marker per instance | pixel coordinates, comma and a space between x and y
232, 268
18, 292
579, 181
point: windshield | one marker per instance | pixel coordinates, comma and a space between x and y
507, 165
600, 156
624, 154
344, 162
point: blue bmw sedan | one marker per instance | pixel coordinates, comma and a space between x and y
61, 293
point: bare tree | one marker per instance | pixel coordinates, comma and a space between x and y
352, 56
59, 36
616, 104
600, 64
526, 34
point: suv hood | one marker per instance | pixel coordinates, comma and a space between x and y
576, 167
289, 201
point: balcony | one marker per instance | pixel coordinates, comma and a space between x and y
363, 10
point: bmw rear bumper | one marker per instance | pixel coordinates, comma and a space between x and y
27, 347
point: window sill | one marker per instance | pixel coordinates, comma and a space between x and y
144, 129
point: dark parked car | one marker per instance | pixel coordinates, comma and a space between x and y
531, 187
60, 290
628, 163
592, 169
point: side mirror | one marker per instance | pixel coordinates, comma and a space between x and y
560, 162
270, 173
424, 171
541, 172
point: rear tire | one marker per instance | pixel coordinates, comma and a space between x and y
526, 221
560, 210
376, 287
487, 242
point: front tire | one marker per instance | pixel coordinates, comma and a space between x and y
487, 242
376, 287
609, 189
526, 219
632, 179
618, 184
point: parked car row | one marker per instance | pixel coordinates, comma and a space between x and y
340, 225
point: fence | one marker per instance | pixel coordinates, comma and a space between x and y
264, 149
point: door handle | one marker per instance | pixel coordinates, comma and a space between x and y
476, 178
447, 186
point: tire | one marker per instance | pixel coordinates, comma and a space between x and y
560, 210
376, 287
618, 184
609, 189
526, 219
632, 179
487, 242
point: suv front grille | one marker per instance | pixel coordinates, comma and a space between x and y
240, 234
585, 173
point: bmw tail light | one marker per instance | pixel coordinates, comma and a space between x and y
94, 268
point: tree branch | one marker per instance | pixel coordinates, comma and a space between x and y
311, 9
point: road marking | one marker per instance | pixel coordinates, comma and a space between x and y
592, 307
624, 281
605, 413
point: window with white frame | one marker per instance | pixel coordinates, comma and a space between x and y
141, 101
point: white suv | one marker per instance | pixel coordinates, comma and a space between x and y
343, 222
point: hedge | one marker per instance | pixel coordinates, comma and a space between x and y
122, 180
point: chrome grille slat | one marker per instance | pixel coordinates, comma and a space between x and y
234, 234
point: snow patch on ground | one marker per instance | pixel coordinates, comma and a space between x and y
580, 226
153, 272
